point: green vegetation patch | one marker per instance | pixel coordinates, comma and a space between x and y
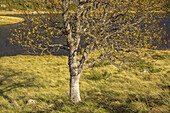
104, 89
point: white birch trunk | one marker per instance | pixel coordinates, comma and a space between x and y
74, 77
74, 89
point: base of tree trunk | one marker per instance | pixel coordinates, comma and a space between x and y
74, 89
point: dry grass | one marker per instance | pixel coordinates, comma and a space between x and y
10, 20
104, 88
11, 12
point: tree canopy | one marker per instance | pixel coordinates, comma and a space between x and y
93, 30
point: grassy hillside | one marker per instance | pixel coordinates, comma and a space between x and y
104, 88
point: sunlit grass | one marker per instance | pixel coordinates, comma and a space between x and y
11, 12
23, 12
10, 20
104, 88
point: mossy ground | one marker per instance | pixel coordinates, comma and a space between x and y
103, 88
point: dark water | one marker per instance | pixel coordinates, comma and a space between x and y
7, 49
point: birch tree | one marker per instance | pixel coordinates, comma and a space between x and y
93, 30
